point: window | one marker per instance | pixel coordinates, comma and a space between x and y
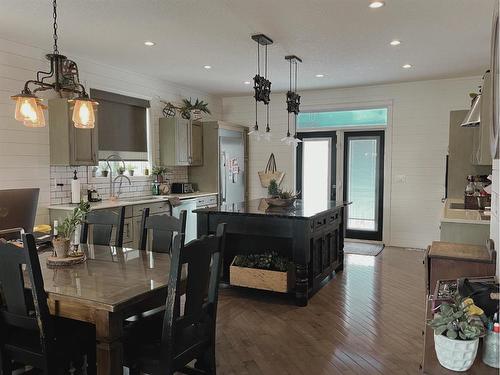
342, 119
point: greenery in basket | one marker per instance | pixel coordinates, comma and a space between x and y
159, 170
188, 106
66, 229
275, 192
458, 320
267, 261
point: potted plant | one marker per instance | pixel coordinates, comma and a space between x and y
66, 229
120, 170
159, 171
279, 197
457, 328
104, 171
130, 169
189, 110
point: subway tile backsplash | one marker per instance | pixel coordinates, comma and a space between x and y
141, 185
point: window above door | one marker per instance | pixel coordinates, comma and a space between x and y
355, 118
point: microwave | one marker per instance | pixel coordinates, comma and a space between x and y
182, 188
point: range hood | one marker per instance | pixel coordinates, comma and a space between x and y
473, 118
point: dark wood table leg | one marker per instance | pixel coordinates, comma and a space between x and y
109, 332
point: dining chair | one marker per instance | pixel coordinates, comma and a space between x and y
28, 333
101, 224
163, 229
168, 342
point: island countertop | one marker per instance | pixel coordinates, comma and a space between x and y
259, 207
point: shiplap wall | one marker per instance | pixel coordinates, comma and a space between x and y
419, 143
24, 153
495, 210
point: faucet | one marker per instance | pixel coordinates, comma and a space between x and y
121, 177
114, 157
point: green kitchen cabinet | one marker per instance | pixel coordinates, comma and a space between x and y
181, 142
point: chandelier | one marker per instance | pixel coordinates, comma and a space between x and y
262, 87
292, 101
65, 77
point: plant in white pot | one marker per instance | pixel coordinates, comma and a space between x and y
457, 328
67, 228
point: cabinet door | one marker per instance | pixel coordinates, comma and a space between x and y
182, 138
83, 146
128, 233
196, 143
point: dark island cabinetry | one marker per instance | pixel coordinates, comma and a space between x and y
312, 237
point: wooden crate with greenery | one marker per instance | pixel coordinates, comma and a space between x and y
267, 271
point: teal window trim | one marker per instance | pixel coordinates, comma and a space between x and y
344, 118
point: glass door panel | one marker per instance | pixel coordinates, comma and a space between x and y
363, 176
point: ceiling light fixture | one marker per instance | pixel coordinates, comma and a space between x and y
29, 109
395, 42
376, 4
292, 100
407, 66
262, 87
319, 75
207, 67
149, 43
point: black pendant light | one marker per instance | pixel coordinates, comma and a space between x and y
64, 73
292, 101
262, 86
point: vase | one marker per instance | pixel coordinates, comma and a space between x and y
61, 247
455, 355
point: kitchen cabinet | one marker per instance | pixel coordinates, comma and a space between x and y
481, 152
181, 142
69, 145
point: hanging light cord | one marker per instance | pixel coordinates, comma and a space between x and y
54, 15
256, 126
295, 90
268, 128
290, 89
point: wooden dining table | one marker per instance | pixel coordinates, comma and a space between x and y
111, 285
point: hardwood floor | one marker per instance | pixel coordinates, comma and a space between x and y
367, 320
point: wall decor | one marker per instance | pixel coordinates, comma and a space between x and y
64, 73
187, 110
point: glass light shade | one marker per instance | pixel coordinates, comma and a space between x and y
83, 114
39, 121
26, 108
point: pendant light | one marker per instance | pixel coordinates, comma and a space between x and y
262, 88
292, 101
64, 72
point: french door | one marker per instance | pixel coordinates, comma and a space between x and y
364, 184
316, 167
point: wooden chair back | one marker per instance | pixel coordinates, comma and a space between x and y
202, 258
163, 229
101, 224
23, 310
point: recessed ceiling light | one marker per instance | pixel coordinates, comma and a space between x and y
149, 43
376, 4
407, 66
395, 42
207, 67
319, 75
247, 82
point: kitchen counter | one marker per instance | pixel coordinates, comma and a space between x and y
130, 201
462, 216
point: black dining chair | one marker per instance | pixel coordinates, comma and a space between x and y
168, 342
29, 335
101, 224
163, 228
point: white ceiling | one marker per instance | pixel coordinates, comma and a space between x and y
343, 39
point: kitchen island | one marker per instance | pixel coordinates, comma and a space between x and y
310, 235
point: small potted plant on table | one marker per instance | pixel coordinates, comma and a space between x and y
120, 170
279, 197
130, 169
457, 328
66, 230
104, 170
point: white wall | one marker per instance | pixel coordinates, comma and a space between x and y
24, 153
419, 144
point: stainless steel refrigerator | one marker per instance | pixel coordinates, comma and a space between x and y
225, 160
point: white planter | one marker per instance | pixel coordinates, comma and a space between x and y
456, 355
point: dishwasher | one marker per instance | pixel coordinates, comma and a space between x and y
189, 205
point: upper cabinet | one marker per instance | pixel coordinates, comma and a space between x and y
181, 142
481, 153
70, 145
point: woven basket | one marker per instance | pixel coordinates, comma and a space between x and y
271, 173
